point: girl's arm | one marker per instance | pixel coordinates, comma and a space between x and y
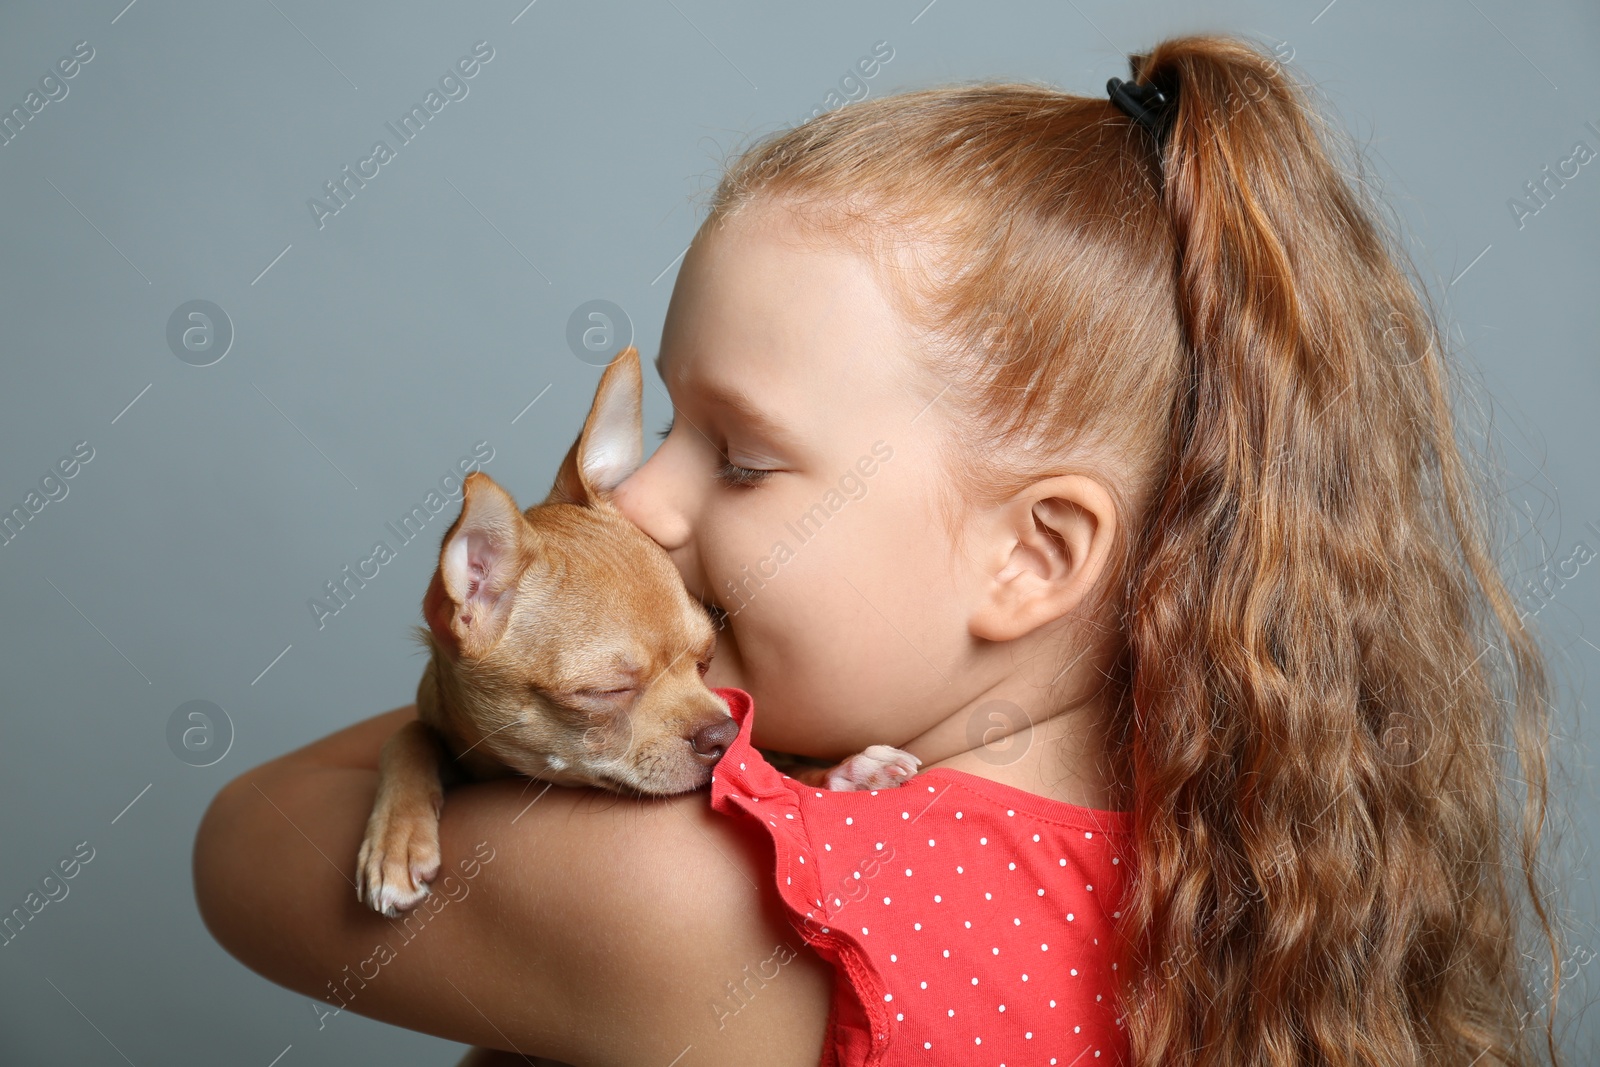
574, 923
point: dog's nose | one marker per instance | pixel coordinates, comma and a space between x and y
713, 739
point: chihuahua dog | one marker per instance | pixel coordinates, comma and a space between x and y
564, 647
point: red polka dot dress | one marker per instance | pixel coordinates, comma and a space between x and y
968, 922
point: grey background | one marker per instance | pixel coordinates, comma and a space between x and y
433, 309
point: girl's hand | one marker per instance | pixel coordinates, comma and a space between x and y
570, 923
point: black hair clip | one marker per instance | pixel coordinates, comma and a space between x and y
1147, 105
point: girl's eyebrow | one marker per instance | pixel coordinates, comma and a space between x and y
739, 402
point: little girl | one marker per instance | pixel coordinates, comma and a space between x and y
1096, 451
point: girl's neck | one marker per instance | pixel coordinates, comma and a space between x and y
1063, 757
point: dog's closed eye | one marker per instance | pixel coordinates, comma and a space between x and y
609, 699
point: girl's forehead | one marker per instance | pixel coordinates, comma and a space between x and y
761, 297
793, 337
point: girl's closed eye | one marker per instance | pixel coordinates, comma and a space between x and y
728, 473
733, 475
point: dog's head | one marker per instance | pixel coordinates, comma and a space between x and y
564, 643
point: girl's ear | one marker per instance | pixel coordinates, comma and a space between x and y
1042, 552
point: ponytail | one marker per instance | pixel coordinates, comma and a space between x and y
1316, 631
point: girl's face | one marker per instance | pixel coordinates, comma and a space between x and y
817, 535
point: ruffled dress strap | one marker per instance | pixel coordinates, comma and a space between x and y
745, 785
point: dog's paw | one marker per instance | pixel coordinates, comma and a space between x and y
398, 858
879, 767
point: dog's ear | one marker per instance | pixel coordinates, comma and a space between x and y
610, 446
481, 559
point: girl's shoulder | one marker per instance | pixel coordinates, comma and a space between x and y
958, 911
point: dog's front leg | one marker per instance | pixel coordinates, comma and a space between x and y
400, 854
878, 767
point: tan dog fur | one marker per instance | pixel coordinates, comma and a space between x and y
563, 646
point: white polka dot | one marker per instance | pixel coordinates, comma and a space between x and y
848, 819
1114, 859
899, 1018
1063, 862
927, 1044
930, 842
886, 900
924, 985
1074, 972
1016, 922
959, 871
1028, 1035
958, 815
986, 896
788, 815
995, 950
802, 859
824, 929
950, 1012
916, 926
969, 924
908, 872
1044, 948
1036, 837
936, 898
741, 766
1069, 916
977, 1041
1090, 888
878, 846
1087, 834
826, 847
864, 930
947, 953
1041, 892
888, 996
905, 815
1010, 812
983, 840
1011, 866
1024, 978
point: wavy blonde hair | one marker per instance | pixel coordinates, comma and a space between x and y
1315, 652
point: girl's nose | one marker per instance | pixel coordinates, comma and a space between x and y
644, 500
